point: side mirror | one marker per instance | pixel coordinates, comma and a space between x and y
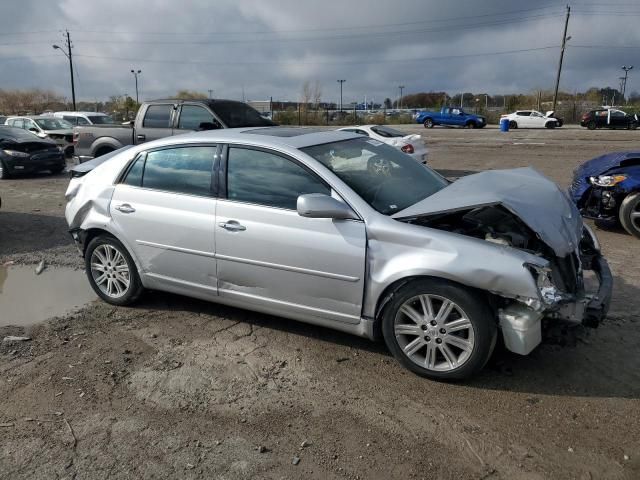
319, 205
34, 129
208, 126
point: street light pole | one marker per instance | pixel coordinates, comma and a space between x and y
69, 56
341, 82
624, 84
210, 93
400, 87
135, 74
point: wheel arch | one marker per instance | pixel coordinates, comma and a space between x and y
88, 234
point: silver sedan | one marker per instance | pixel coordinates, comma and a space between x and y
343, 231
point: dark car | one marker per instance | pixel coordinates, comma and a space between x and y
609, 118
607, 188
24, 152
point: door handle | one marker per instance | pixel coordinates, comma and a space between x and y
232, 226
141, 137
125, 208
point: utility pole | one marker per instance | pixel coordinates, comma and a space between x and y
461, 99
135, 74
624, 84
210, 93
401, 87
69, 56
564, 43
341, 82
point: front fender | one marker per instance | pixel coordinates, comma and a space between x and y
414, 251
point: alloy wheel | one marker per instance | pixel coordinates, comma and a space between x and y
110, 271
434, 332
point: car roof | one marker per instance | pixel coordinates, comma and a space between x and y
296, 137
82, 113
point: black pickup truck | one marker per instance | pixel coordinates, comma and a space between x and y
164, 118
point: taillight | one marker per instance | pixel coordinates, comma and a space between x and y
585, 116
408, 148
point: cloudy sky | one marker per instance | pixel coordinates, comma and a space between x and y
271, 47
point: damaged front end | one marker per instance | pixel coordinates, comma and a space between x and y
573, 280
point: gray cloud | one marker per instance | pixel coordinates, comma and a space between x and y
269, 48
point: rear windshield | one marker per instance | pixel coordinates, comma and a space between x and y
53, 123
387, 131
100, 119
238, 114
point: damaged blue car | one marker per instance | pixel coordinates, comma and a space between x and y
607, 188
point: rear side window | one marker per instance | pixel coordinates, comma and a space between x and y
158, 116
71, 120
254, 176
180, 170
134, 175
82, 121
192, 116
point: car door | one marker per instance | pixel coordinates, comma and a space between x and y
276, 260
537, 120
524, 119
191, 118
617, 119
165, 210
157, 122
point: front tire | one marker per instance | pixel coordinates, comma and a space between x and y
111, 271
439, 330
4, 173
630, 214
550, 125
470, 125
428, 123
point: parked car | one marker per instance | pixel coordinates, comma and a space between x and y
307, 226
607, 188
164, 118
85, 118
58, 130
411, 144
532, 119
2, 119
609, 118
24, 152
450, 116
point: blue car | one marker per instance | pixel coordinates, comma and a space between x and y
607, 188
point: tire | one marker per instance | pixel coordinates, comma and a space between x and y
560, 123
513, 124
57, 170
633, 125
103, 151
550, 125
630, 214
591, 125
477, 335
428, 123
4, 173
97, 253
470, 125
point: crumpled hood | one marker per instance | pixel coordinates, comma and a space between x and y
526, 193
604, 163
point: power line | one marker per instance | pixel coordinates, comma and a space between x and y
296, 62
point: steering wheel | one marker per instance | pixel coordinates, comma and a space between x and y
379, 166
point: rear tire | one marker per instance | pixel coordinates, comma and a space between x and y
428, 123
103, 151
630, 214
111, 271
439, 330
513, 124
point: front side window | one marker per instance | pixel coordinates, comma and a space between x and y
254, 176
383, 176
181, 170
192, 116
158, 116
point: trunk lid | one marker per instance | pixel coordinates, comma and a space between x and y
526, 193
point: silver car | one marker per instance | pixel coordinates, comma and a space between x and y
339, 230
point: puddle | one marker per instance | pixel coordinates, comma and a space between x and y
27, 298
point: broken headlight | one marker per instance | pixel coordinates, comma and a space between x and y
549, 293
607, 180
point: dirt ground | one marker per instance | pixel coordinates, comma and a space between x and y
179, 388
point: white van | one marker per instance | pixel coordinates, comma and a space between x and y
85, 118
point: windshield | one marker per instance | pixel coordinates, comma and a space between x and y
12, 133
387, 131
238, 114
100, 119
383, 176
53, 124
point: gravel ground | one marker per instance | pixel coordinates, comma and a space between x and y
176, 387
